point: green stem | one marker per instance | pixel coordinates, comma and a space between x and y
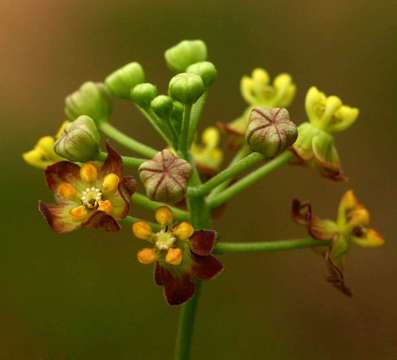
227, 174
241, 154
125, 140
159, 125
127, 160
183, 137
187, 318
145, 202
197, 111
249, 180
268, 246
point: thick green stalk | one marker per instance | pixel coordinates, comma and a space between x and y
145, 202
268, 246
128, 161
125, 140
183, 136
227, 174
249, 180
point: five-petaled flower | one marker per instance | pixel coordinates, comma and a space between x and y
92, 195
351, 226
180, 253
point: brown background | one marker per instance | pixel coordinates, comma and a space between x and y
83, 296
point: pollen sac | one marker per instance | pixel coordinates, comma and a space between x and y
165, 177
270, 131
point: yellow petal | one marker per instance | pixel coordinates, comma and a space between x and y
105, 206
110, 183
66, 191
164, 216
174, 256
142, 230
370, 238
79, 213
183, 231
147, 256
88, 173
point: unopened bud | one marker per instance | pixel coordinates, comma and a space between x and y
143, 94
79, 141
185, 53
270, 131
206, 70
162, 105
92, 99
165, 177
186, 88
124, 79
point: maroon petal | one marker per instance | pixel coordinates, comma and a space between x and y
177, 288
113, 163
58, 217
203, 242
127, 187
301, 211
158, 274
101, 220
336, 277
63, 171
206, 267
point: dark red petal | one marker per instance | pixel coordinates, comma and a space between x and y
203, 242
301, 211
63, 171
58, 217
206, 267
101, 220
335, 276
126, 188
158, 274
113, 163
177, 288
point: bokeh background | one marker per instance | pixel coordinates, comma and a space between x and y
83, 296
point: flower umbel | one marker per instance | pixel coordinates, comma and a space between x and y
92, 195
351, 226
180, 253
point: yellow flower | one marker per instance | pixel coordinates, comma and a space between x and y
208, 155
43, 155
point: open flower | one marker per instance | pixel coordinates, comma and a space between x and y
315, 145
43, 154
180, 255
92, 195
258, 90
207, 154
351, 226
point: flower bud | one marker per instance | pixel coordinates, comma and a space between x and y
206, 70
143, 94
124, 79
92, 99
187, 52
177, 116
80, 140
165, 177
186, 88
162, 105
270, 131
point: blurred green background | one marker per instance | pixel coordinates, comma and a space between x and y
83, 296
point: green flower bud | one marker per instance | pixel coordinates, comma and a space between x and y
79, 141
177, 115
186, 88
206, 70
165, 177
143, 94
162, 105
124, 79
92, 99
187, 52
270, 131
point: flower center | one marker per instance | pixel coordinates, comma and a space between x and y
164, 240
90, 197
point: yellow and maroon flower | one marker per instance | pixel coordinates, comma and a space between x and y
92, 195
180, 254
351, 226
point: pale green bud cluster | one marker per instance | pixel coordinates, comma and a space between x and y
185, 53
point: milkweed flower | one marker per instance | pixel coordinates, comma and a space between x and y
207, 154
43, 154
315, 145
180, 253
350, 227
92, 195
258, 90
